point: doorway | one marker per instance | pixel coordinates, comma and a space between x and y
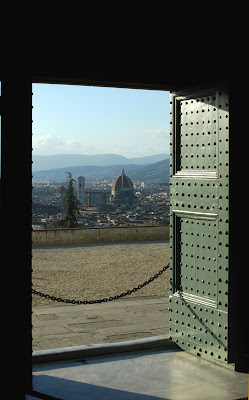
96, 133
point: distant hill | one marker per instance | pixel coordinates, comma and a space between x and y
148, 159
154, 172
42, 163
150, 172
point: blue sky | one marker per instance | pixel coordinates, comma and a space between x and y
93, 120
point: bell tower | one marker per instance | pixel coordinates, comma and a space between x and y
81, 189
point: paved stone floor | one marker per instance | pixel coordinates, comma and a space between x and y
166, 374
74, 325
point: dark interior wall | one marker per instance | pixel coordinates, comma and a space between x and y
163, 50
238, 220
16, 230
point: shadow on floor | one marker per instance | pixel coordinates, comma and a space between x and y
166, 374
72, 390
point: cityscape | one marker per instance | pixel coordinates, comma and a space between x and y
103, 203
95, 133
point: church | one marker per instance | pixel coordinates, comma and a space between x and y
123, 190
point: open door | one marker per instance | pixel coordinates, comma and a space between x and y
199, 308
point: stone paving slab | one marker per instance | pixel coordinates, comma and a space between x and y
56, 326
147, 375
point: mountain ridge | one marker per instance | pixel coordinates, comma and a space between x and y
43, 162
145, 172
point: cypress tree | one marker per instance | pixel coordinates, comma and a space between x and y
72, 205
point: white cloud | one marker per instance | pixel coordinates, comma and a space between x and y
51, 144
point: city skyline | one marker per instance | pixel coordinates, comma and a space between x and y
95, 120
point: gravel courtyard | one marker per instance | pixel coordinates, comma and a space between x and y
89, 272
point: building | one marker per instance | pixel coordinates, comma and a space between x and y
81, 190
96, 198
123, 190
61, 191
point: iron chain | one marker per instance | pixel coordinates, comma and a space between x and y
105, 299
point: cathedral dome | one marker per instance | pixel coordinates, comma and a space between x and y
123, 190
122, 182
61, 191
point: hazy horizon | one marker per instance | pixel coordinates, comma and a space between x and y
97, 154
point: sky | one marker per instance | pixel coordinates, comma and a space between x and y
94, 120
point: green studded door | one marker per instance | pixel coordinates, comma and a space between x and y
199, 223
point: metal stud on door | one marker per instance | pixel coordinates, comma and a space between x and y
199, 223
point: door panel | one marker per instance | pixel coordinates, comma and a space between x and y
199, 223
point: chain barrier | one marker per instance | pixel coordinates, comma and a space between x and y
105, 299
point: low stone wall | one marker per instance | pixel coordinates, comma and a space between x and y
54, 237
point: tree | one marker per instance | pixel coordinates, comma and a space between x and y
72, 207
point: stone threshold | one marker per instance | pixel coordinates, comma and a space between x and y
76, 352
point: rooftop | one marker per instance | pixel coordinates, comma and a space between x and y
122, 182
